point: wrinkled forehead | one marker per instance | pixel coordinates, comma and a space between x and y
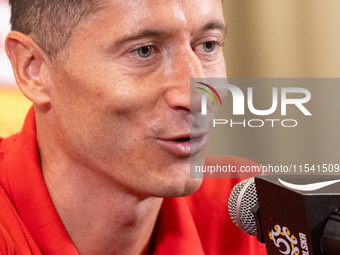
179, 9
132, 15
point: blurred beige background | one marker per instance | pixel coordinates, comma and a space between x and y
284, 39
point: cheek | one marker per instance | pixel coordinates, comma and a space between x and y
216, 69
125, 93
83, 94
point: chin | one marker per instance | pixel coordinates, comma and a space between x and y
181, 189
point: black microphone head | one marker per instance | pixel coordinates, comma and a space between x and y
242, 199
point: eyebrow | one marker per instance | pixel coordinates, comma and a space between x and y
142, 34
215, 24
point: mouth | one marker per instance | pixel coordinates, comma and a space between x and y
184, 139
184, 145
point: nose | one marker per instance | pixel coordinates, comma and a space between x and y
180, 95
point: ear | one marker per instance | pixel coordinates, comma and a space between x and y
30, 66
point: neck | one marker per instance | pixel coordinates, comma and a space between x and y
100, 216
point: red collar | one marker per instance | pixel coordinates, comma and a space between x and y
23, 182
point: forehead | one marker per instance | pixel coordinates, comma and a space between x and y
126, 17
155, 9
180, 10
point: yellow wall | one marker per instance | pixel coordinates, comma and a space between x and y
13, 108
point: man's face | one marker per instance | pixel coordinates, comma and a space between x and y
121, 96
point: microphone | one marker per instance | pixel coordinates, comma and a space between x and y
293, 215
242, 200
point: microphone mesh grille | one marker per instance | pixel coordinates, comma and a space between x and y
242, 199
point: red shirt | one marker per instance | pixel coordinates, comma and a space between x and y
29, 223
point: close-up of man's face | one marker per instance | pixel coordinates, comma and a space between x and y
120, 94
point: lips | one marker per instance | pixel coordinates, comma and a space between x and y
184, 145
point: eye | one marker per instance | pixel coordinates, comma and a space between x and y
209, 46
145, 51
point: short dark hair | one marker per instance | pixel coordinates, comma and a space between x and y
51, 23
